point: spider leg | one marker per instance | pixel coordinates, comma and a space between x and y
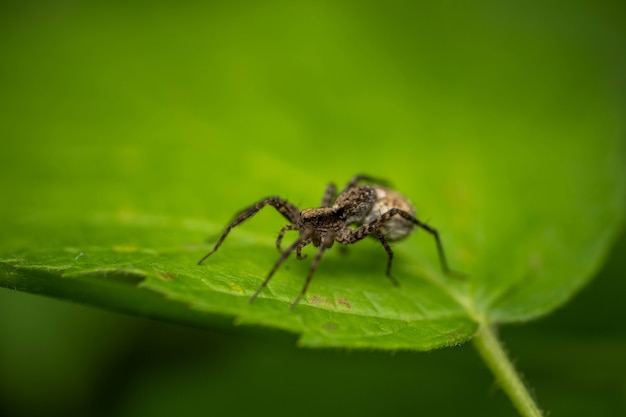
361, 177
299, 254
288, 210
280, 260
352, 236
383, 241
281, 234
314, 264
329, 195
303, 243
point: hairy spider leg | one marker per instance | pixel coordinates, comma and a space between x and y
329, 195
358, 178
281, 234
355, 235
288, 210
312, 269
299, 254
283, 256
303, 243
381, 237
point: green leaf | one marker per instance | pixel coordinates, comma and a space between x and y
147, 264
113, 191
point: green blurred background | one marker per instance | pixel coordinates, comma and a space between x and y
202, 107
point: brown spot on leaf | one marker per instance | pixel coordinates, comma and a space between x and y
167, 275
318, 300
344, 302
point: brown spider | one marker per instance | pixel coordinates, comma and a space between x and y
375, 209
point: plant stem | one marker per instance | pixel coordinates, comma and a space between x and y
492, 352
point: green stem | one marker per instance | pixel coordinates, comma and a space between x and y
492, 352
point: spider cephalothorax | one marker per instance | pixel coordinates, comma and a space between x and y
374, 209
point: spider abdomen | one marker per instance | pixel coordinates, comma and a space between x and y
398, 227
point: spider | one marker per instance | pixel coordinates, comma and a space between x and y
375, 209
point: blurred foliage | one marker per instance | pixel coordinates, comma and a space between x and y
149, 111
